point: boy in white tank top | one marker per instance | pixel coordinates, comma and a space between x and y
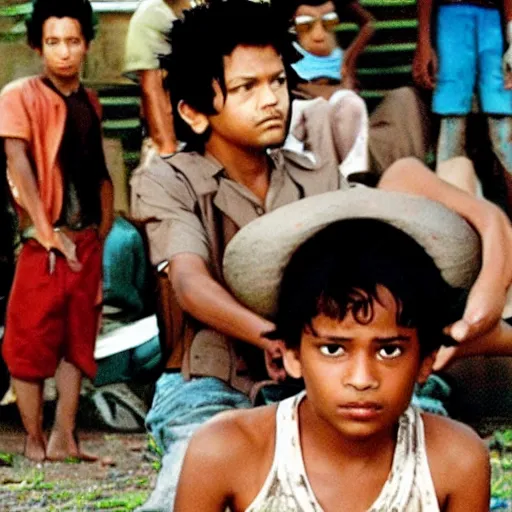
360, 311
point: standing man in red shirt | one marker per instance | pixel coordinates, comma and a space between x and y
51, 129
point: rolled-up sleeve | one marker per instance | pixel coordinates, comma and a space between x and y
147, 40
168, 205
14, 119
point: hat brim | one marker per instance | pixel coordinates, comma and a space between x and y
255, 258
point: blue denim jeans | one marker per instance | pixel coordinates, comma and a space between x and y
179, 408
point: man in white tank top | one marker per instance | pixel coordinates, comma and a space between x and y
360, 312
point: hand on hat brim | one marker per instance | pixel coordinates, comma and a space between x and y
488, 295
496, 342
483, 311
444, 356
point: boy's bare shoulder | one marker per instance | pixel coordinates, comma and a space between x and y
450, 438
234, 434
456, 455
227, 460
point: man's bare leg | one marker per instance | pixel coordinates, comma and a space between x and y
63, 442
29, 398
452, 138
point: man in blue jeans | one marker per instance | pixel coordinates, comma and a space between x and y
231, 105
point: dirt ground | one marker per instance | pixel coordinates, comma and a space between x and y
120, 481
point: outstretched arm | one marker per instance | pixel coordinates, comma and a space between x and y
366, 24
487, 297
424, 65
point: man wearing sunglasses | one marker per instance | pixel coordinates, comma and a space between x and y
314, 22
398, 127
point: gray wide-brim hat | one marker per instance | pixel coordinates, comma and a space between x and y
255, 258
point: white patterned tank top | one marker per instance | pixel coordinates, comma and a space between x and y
409, 487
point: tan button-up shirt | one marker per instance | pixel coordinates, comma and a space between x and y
194, 207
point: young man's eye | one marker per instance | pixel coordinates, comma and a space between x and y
280, 81
245, 87
332, 350
390, 352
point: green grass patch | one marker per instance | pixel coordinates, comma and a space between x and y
6, 459
128, 501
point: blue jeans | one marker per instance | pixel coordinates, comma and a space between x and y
179, 408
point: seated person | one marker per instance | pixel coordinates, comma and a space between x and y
323, 61
231, 105
397, 128
360, 327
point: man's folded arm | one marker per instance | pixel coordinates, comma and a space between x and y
200, 295
178, 236
487, 297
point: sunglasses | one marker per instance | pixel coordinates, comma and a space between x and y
305, 23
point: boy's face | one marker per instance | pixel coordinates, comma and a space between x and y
360, 378
63, 48
313, 25
254, 112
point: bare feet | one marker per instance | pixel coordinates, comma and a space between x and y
35, 448
63, 446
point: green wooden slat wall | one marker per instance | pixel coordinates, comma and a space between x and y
386, 63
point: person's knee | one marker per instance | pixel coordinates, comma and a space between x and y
459, 171
404, 163
399, 170
349, 103
402, 93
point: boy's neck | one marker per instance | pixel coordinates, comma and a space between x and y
322, 437
65, 86
249, 167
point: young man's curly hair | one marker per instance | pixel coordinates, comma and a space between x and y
80, 10
202, 39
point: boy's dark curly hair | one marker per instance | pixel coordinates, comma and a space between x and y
80, 10
202, 39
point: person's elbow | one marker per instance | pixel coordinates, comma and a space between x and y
370, 27
187, 273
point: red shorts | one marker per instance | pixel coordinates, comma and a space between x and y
53, 316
